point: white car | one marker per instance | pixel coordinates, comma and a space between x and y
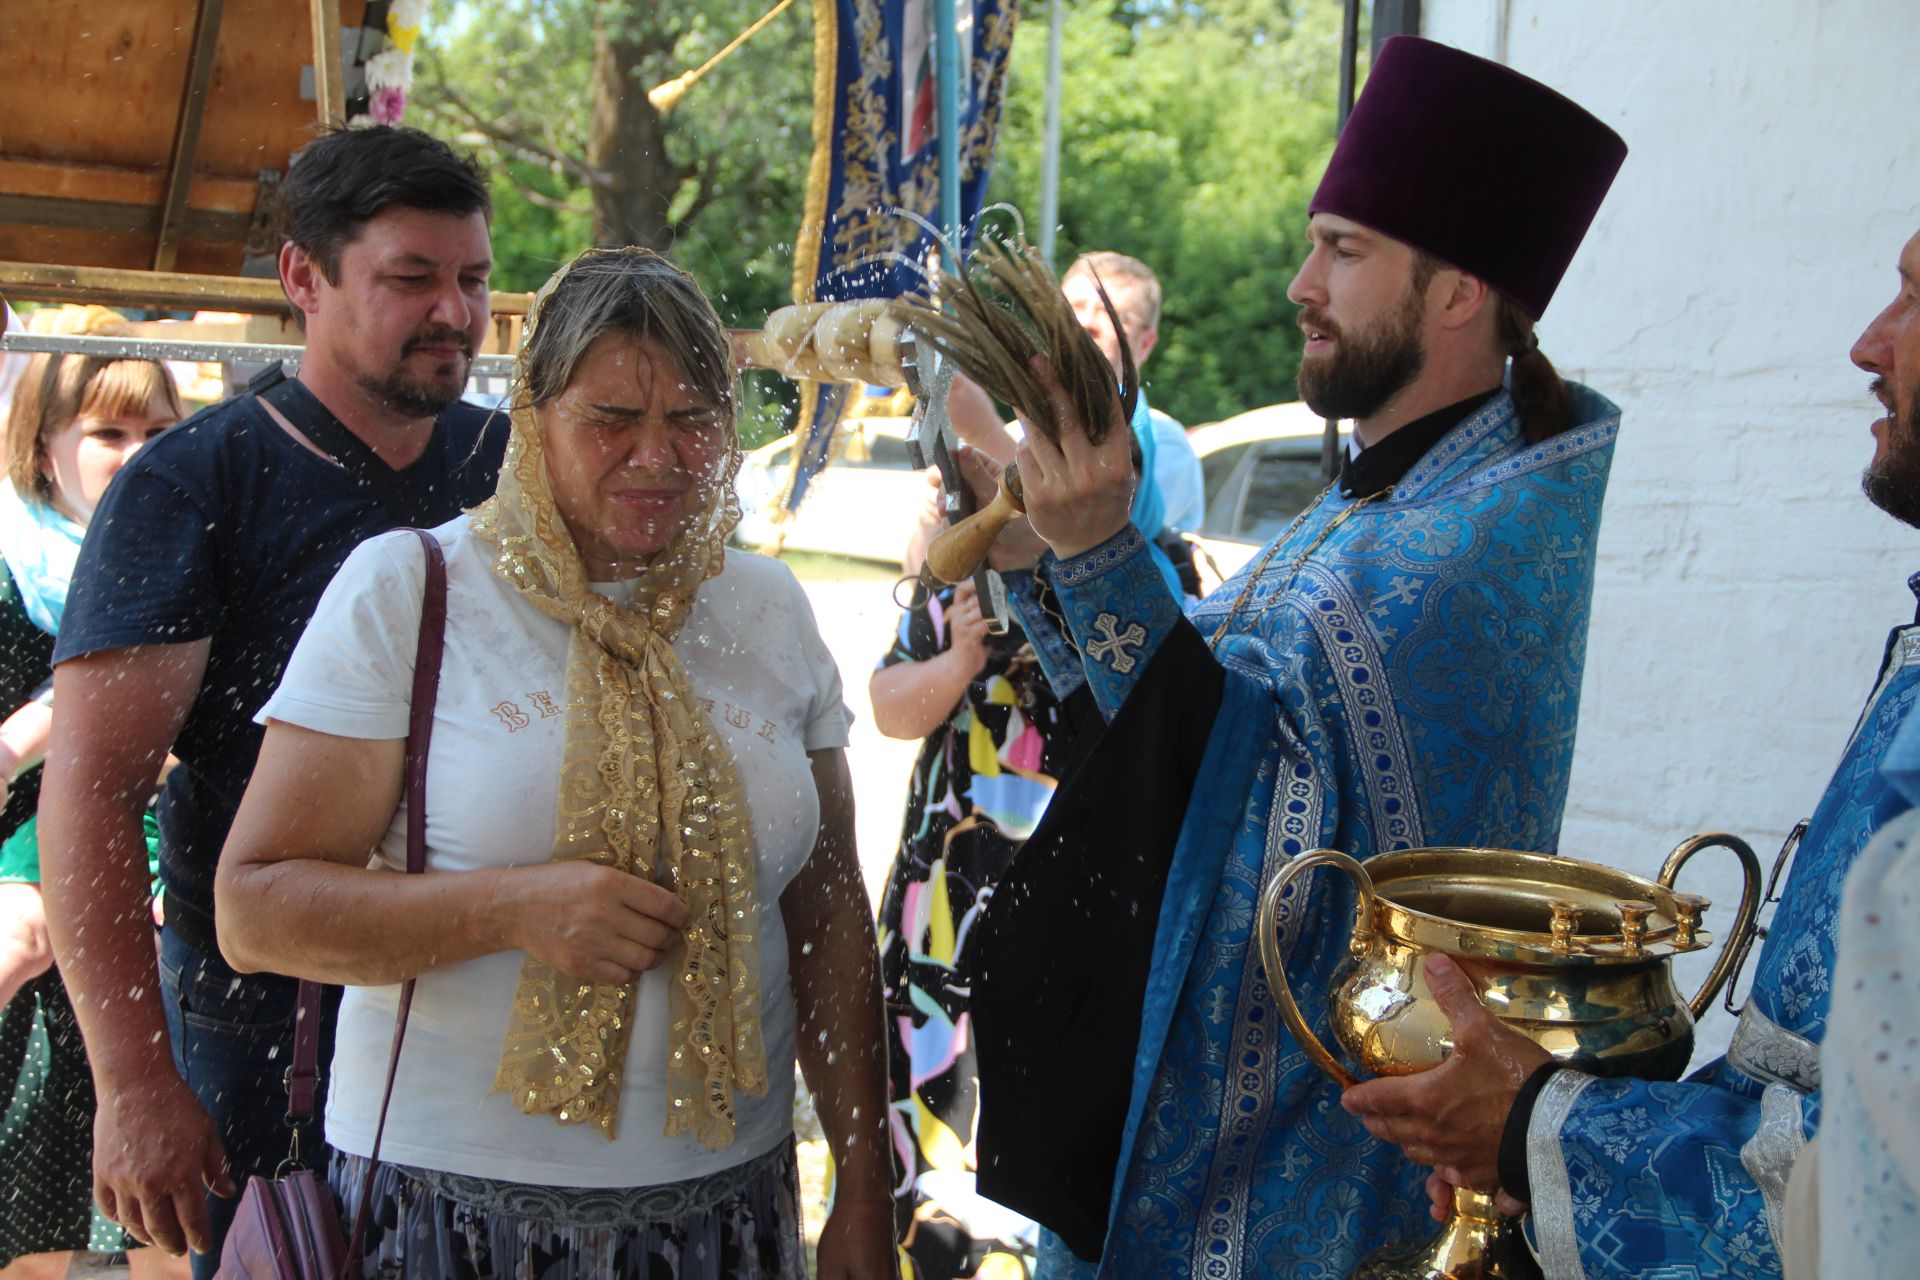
865, 503
1262, 469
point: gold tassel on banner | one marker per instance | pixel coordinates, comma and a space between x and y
813, 218
665, 97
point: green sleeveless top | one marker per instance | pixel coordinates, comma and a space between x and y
26, 663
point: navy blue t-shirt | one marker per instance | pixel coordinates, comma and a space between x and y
226, 528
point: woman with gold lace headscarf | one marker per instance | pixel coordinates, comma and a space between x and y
641, 900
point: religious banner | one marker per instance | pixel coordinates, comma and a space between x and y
876, 158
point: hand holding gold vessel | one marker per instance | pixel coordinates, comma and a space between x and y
1452, 1117
1467, 969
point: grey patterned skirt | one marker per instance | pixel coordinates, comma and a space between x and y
742, 1223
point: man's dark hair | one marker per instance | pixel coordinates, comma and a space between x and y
346, 177
1540, 398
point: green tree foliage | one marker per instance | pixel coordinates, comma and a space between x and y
1192, 135
514, 81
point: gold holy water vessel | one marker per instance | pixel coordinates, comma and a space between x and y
1574, 955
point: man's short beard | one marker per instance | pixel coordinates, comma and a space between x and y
420, 397
1366, 370
1893, 483
411, 397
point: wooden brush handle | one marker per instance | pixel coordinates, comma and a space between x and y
956, 555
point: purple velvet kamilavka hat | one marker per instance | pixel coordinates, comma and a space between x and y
1473, 163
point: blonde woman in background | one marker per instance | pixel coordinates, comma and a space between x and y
74, 421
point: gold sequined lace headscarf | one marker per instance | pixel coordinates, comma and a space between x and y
646, 786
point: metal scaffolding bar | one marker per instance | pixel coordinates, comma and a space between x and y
144, 348
173, 290
1349, 78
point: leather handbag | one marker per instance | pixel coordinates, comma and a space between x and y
287, 1227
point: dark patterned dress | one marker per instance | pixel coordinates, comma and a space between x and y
741, 1223
46, 1135
979, 787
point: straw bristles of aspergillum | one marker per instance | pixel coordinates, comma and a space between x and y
1007, 308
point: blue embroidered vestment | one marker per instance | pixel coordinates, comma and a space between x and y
1399, 672
1688, 1179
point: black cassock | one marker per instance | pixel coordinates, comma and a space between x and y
1060, 971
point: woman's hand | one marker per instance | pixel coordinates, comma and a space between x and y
25, 953
977, 422
592, 922
967, 630
856, 1243
912, 699
295, 894
933, 519
1018, 546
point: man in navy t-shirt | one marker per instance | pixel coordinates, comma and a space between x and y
201, 567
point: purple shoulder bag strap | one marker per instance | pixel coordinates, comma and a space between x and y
303, 1075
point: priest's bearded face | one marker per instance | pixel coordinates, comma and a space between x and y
1362, 298
1890, 350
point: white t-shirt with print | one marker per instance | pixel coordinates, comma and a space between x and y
752, 653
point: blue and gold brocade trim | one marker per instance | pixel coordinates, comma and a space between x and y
1119, 609
1051, 645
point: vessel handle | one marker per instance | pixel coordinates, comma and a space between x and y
1360, 943
1733, 951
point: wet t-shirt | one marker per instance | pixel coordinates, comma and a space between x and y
767, 685
228, 529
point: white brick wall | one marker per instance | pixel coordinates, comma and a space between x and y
1745, 587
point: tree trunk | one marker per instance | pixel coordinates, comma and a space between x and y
634, 179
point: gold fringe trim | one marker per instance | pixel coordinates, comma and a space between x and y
813, 215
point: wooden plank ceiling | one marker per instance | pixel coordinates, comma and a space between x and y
91, 111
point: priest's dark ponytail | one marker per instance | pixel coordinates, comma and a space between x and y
1539, 396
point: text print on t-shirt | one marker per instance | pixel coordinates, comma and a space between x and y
515, 719
508, 712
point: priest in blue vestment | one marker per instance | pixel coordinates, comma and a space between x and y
1631, 1177
1400, 667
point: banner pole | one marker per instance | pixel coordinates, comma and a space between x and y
946, 53
1050, 139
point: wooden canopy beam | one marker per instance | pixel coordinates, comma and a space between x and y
65, 180
186, 133
329, 78
114, 217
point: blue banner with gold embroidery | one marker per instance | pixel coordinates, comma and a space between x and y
876, 153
